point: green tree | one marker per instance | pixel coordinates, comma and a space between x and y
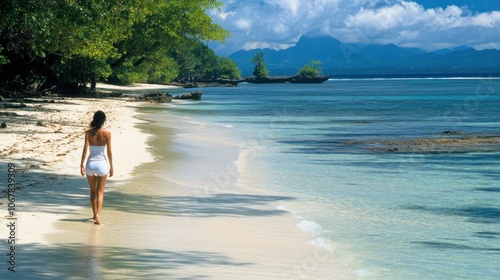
3, 59
163, 30
228, 69
260, 69
49, 41
311, 70
60, 41
198, 62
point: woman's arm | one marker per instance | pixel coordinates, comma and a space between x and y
84, 153
110, 154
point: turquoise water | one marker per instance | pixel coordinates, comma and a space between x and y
389, 215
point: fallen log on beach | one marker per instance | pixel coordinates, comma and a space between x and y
13, 105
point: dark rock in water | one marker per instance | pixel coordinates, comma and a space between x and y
39, 123
268, 80
156, 97
455, 144
3, 125
194, 95
305, 80
233, 82
451, 132
287, 79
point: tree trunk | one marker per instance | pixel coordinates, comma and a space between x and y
92, 81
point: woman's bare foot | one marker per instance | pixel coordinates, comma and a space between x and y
97, 220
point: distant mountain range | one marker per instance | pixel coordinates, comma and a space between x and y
373, 60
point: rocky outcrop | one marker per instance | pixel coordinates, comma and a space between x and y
297, 79
194, 95
268, 80
156, 97
305, 80
286, 79
207, 83
460, 143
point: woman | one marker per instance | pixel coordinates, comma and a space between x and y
97, 169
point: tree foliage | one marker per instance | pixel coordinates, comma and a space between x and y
77, 41
228, 69
311, 70
260, 69
198, 62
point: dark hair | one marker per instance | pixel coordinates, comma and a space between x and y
99, 119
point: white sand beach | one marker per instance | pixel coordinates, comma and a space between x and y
154, 227
133, 87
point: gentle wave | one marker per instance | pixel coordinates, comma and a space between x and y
310, 226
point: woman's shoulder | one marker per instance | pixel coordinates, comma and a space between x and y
100, 131
105, 133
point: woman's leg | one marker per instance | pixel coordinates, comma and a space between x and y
93, 193
101, 184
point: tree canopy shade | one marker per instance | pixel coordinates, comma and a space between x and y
75, 41
260, 69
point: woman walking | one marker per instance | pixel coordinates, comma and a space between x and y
97, 169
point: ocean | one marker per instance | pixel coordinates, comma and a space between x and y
344, 150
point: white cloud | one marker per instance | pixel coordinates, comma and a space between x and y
265, 45
280, 28
244, 24
407, 13
226, 15
487, 20
279, 23
291, 6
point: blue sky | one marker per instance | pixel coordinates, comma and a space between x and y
425, 24
477, 6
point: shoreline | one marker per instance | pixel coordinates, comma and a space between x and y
133, 87
46, 157
157, 225
248, 218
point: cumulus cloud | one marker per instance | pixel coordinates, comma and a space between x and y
487, 20
278, 24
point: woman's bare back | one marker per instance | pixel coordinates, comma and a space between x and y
98, 137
